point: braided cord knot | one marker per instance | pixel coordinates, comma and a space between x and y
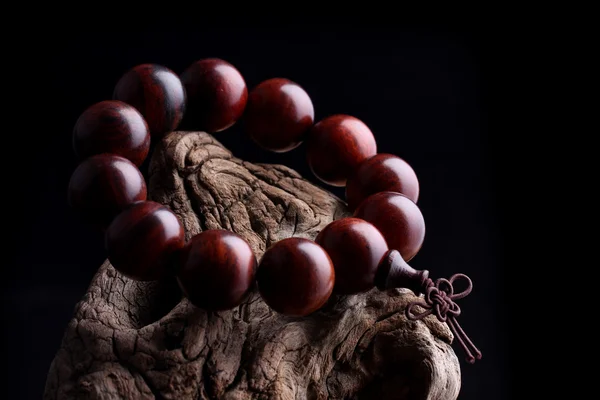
439, 299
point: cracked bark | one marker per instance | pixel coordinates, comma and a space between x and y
133, 340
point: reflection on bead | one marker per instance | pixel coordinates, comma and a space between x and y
279, 115
355, 247
218, 270
295, 277
158, 95
112, 126
216, 95
143, 242
381, 173
398, 219
336, 146
102, 186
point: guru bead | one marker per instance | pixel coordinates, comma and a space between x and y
102, 186
144, 241
216, 95
356, 248
112, 126
218, 270
336, 146
157, 93
278, 115
381, 173
394, 272
398, 219
295, 277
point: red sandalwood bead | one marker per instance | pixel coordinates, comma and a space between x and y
157, 93
356, 248
112, 126
295, 277
381, 173
218, 270
398, 219
336, 146
279, 115
216, 95
102, 186
143, 242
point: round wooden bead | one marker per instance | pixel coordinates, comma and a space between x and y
356, 248
381, 173
295, 277
157, 93
279, 115
336, 146
102, 186
398, 219
218, 270
143, 242
112, 126
216, 95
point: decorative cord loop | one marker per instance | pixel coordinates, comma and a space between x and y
439, 300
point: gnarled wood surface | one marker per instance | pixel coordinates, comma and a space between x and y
131, 340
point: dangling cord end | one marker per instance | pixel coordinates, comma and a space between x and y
439, 300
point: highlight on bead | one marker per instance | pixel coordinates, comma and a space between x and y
356, 248
398, 219
111, 126
217, 270
336, 145
143, 241
381, 173
102, 186
295, 277
216, 95
279, 115
157, 93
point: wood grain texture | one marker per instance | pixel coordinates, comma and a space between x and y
141, 340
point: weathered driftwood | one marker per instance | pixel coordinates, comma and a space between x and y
130, 340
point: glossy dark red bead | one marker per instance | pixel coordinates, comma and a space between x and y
278, 115
157, 93
295, 277
102, 186
398, 219
144, 241
336, 146
381, 173
218, 270
356, 248
216, 94
112, 126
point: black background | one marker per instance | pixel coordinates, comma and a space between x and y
424, 90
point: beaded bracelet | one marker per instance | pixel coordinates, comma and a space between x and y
217, 268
